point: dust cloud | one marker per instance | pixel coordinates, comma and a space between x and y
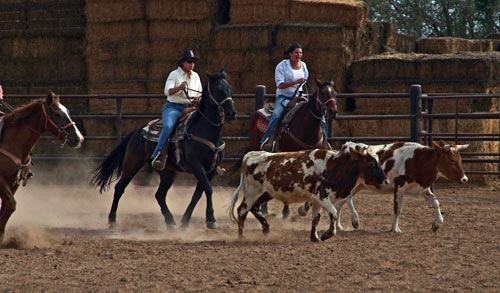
48, 214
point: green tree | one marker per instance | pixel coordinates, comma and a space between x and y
439, 18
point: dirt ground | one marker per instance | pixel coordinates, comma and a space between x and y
58, 240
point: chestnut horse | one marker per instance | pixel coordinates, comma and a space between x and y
300, 127
22, 129
198, 151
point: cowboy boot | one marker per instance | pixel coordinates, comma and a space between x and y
160, 160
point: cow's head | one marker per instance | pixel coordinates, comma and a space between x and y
366, 159
450, 162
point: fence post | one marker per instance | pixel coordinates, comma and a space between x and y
260, 93
415, 92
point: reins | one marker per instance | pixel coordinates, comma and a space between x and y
219, 108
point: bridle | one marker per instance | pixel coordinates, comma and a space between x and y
62, 134
220, 109
323, 105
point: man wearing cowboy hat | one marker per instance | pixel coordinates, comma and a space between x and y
182, 85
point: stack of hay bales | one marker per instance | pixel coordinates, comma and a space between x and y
42, 47
132, 47
254, 41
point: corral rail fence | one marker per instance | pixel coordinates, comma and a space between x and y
421, 116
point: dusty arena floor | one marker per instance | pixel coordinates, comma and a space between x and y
58, 240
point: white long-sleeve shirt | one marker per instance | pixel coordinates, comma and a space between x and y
178, 76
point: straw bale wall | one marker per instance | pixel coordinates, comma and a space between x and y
42, 47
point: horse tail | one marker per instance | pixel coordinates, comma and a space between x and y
234, 200
103, 175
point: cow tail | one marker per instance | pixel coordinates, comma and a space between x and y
234, 200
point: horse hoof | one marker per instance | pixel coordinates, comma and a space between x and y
302, 211
211, 225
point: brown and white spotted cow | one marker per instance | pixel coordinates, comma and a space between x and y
411, 168
295, 177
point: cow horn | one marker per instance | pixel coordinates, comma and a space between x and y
462, 146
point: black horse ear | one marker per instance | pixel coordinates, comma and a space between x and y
318, 82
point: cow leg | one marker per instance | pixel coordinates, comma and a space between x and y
338, 206
438, 217
242, 216
331, 229
257, 212
398, 207
316, 215
354, 213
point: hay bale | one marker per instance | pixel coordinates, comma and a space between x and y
449, 45
462, 66
169, 49
113, 10
259, 11
250, 60
242, 36
113, 87
119, 30
185, 10
317, 36
174, 29
349, 13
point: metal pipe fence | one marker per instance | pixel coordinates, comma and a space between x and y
421, 116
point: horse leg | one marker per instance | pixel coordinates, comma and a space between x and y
7, 208
186, 218
130, 167
166, 181
202, 185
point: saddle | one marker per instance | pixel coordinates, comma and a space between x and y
152, 130
267, 110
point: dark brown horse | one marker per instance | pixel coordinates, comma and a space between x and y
198, 151
21, 131
300, 127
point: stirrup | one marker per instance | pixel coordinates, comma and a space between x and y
264, 145
159, 161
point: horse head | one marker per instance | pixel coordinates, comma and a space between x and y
219, 92
326, 94
59, 123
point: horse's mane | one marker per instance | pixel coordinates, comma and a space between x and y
22, 112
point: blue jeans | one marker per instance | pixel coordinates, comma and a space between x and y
279, 108
170, 113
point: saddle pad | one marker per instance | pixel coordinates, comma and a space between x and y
152, 130
262, 124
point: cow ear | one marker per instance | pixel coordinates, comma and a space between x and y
462, 146
439, 145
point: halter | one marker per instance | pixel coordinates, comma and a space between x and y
62, 134
219, 107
